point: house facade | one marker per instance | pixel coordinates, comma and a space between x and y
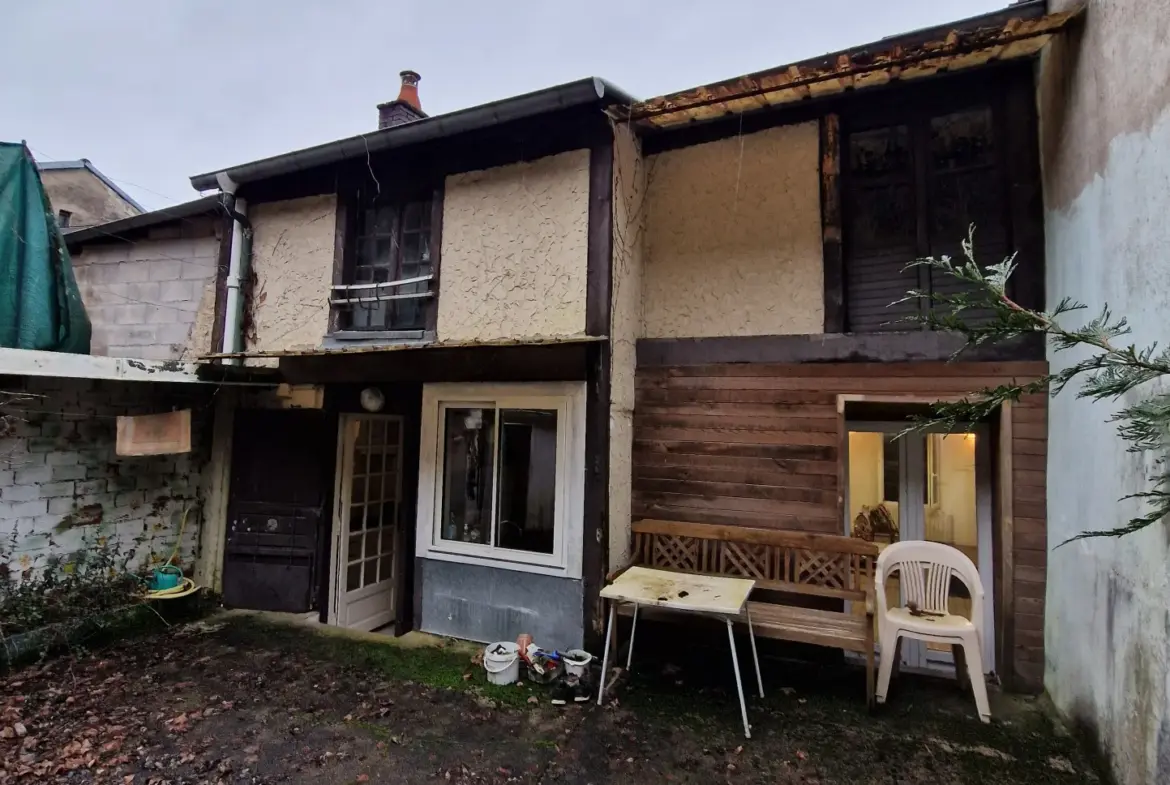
82, 196
439, 308
507, 332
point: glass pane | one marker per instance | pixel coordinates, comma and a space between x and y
962, 139
874, 477
376, 488
528, 472
371, 570
951, 515
353, 577
412, 217
468, 453
356, 517
355, 548
358, 494
880, 153
386, 568
411, 251
371, 544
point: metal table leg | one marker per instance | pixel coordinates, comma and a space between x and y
755, 656
633, 629
605, 657
747, 729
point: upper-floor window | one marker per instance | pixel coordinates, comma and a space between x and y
63, 218
388, 272
912, 189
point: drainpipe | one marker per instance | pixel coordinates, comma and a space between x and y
238, 268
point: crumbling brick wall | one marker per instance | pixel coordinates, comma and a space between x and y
63, 489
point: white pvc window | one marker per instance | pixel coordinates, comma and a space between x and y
501, 476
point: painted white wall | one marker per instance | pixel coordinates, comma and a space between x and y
1107, 194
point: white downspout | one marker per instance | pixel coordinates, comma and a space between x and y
233, 316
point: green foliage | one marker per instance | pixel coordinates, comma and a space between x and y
1109, 371
61, 603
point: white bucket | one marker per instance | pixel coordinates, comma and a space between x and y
501, 662
577, 662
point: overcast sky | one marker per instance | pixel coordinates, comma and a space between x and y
154, 91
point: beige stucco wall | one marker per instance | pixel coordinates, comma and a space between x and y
292, 258
514, 251
733, 237
84, 195
629, 188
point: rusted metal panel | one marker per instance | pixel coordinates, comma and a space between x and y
907, 57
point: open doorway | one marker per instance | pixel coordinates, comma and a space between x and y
925, 486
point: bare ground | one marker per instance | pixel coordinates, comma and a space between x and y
250, 702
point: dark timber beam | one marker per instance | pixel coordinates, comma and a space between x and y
917, 346
831, 224
598, 296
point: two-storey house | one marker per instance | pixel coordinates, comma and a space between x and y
509, 331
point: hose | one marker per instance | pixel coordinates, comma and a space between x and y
185, 587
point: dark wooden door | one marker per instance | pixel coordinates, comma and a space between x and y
282, 462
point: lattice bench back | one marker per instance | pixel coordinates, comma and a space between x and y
788, 561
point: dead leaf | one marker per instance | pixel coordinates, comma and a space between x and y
363, 778
20, 730
802, 754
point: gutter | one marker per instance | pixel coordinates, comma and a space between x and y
239, 267
579, 93
115, 229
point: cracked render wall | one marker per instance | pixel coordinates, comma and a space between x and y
733, 237
292, 260
629, 190
63, 489
1105, 144
514, 251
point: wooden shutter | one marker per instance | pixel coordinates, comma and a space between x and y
881, 229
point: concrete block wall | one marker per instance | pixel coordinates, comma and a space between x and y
63, 489
143, 296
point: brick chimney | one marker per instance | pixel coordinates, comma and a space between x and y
406, 107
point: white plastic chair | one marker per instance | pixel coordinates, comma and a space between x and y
924, 572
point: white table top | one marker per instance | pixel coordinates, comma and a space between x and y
680, 591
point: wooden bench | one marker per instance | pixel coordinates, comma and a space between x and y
794, 563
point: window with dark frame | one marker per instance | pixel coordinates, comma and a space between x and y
910, 190
389, 270
64, 217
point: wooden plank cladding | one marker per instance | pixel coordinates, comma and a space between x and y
759, 445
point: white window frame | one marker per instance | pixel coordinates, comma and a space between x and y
568, 400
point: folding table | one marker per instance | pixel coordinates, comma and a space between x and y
704, 595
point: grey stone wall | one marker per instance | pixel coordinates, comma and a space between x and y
63, 488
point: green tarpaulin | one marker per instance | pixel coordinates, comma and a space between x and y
40, 305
